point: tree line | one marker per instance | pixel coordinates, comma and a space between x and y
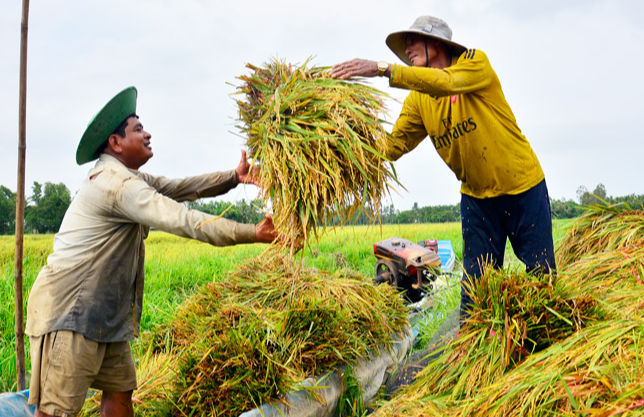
45, 209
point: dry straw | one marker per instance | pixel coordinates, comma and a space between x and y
320, 143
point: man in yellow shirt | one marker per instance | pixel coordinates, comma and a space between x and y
456, 99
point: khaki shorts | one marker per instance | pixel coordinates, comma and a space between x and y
65, 364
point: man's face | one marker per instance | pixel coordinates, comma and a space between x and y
135, 146
416, 50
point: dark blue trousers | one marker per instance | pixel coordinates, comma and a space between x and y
487, 223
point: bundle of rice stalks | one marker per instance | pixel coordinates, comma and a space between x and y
514, 315
602, 229
320, 143
253, 337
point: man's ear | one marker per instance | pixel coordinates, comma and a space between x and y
114, 143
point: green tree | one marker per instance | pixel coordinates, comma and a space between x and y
241, 211
587, 198
36, 195
389, 214
429, 214
600, 191
7, 211
636, 202
48, 209
246, 212
564, 209
415, 213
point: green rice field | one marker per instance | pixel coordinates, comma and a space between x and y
176, 266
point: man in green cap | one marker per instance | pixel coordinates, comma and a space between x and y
456, 99
85, 305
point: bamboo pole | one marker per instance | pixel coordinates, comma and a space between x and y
20, 200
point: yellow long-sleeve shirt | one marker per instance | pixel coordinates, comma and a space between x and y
463, 109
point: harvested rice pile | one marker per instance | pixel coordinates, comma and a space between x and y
320, 143
250, 338
568, 345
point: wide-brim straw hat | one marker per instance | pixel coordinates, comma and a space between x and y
104, 123
429, 26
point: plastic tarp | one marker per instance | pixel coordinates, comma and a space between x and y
14, 404
446, 253
318, 397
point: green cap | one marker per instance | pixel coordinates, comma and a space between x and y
104, 123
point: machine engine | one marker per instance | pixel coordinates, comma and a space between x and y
406, 265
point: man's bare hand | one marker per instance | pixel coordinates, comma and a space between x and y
245, 173
354, 68
265, 230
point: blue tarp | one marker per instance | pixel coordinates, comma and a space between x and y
446, 253
14, 404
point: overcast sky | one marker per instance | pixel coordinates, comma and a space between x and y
570, 69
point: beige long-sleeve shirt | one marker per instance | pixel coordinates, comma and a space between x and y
93, 281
